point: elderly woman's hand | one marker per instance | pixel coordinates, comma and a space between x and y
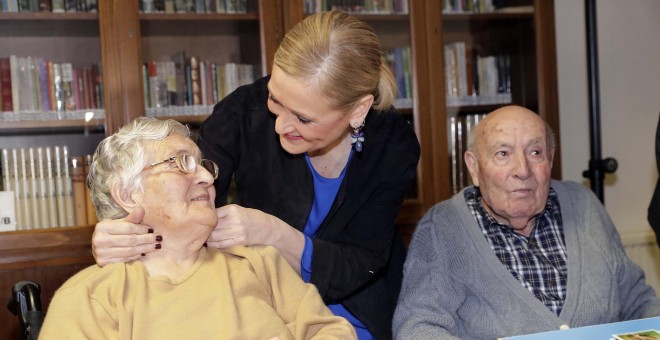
123, 240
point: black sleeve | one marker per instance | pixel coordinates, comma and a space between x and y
654, 207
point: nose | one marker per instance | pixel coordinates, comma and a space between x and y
203, 176
283, 122
520, 166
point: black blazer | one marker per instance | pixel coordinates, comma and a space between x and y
358, 254
654, 207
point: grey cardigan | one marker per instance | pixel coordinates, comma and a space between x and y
455, 286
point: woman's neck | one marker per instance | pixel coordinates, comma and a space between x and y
330, 163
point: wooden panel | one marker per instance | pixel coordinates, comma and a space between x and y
121, 57
47, 256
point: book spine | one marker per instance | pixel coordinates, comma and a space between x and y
13, 70
59, 189
67, 87
196, 81
68, 189
18, 191
58, 6
6, 178
78, 180
42, 195
34, 189
58, 88
6, 85
51, 189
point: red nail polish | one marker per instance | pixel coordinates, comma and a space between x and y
143, 254
159, 238
158, 246
150, 231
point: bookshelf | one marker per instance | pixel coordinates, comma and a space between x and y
123, 38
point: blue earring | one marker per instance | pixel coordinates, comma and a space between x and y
357, 138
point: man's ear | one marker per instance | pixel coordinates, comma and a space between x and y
123, 198
360, 110
473, 166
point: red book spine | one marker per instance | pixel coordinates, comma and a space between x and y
5, 85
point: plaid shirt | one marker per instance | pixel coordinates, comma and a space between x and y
537, 262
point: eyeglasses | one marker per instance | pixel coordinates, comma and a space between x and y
188, 164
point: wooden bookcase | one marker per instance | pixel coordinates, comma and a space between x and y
124, 38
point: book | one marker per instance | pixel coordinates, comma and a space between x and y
6, 86
51, 189
67, 87
42, 190
33, 189
196, 81
59, 188
68, 189
79, 192
614, 330
6, 177
7, 211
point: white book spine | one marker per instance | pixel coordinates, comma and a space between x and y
16, 187
51, 189
59, 189
68, 190
44, 213
26, 207
34, 189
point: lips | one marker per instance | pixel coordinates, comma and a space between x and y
292, 137
204, 197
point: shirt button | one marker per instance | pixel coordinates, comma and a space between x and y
564, 327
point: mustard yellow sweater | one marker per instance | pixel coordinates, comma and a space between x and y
236, 293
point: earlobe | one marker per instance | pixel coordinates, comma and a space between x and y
123, 198
473, 167
360, 110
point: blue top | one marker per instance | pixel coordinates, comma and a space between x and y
325, 191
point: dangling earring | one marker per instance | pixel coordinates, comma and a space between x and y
357, 138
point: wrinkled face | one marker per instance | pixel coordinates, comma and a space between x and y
512, 165
175, 202
305, 122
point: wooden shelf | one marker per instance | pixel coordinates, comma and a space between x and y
28, 126
26, 248
200, 16
48, 16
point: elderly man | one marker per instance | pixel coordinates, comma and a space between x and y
516, 253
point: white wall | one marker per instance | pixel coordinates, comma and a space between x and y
629, 70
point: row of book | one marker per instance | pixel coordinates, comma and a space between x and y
399, 60
358, 6
35, 84
55, 6
189, 81
48, 188
473, 79
193, 6
461, 129
483, 6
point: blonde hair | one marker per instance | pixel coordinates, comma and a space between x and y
120, 158
340, 57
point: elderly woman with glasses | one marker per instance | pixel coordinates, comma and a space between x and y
152, 168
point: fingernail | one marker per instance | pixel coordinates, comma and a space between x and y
143, 254
159, 238
204, 244
150, 231
158, 246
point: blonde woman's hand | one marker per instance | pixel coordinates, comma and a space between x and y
124, 239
